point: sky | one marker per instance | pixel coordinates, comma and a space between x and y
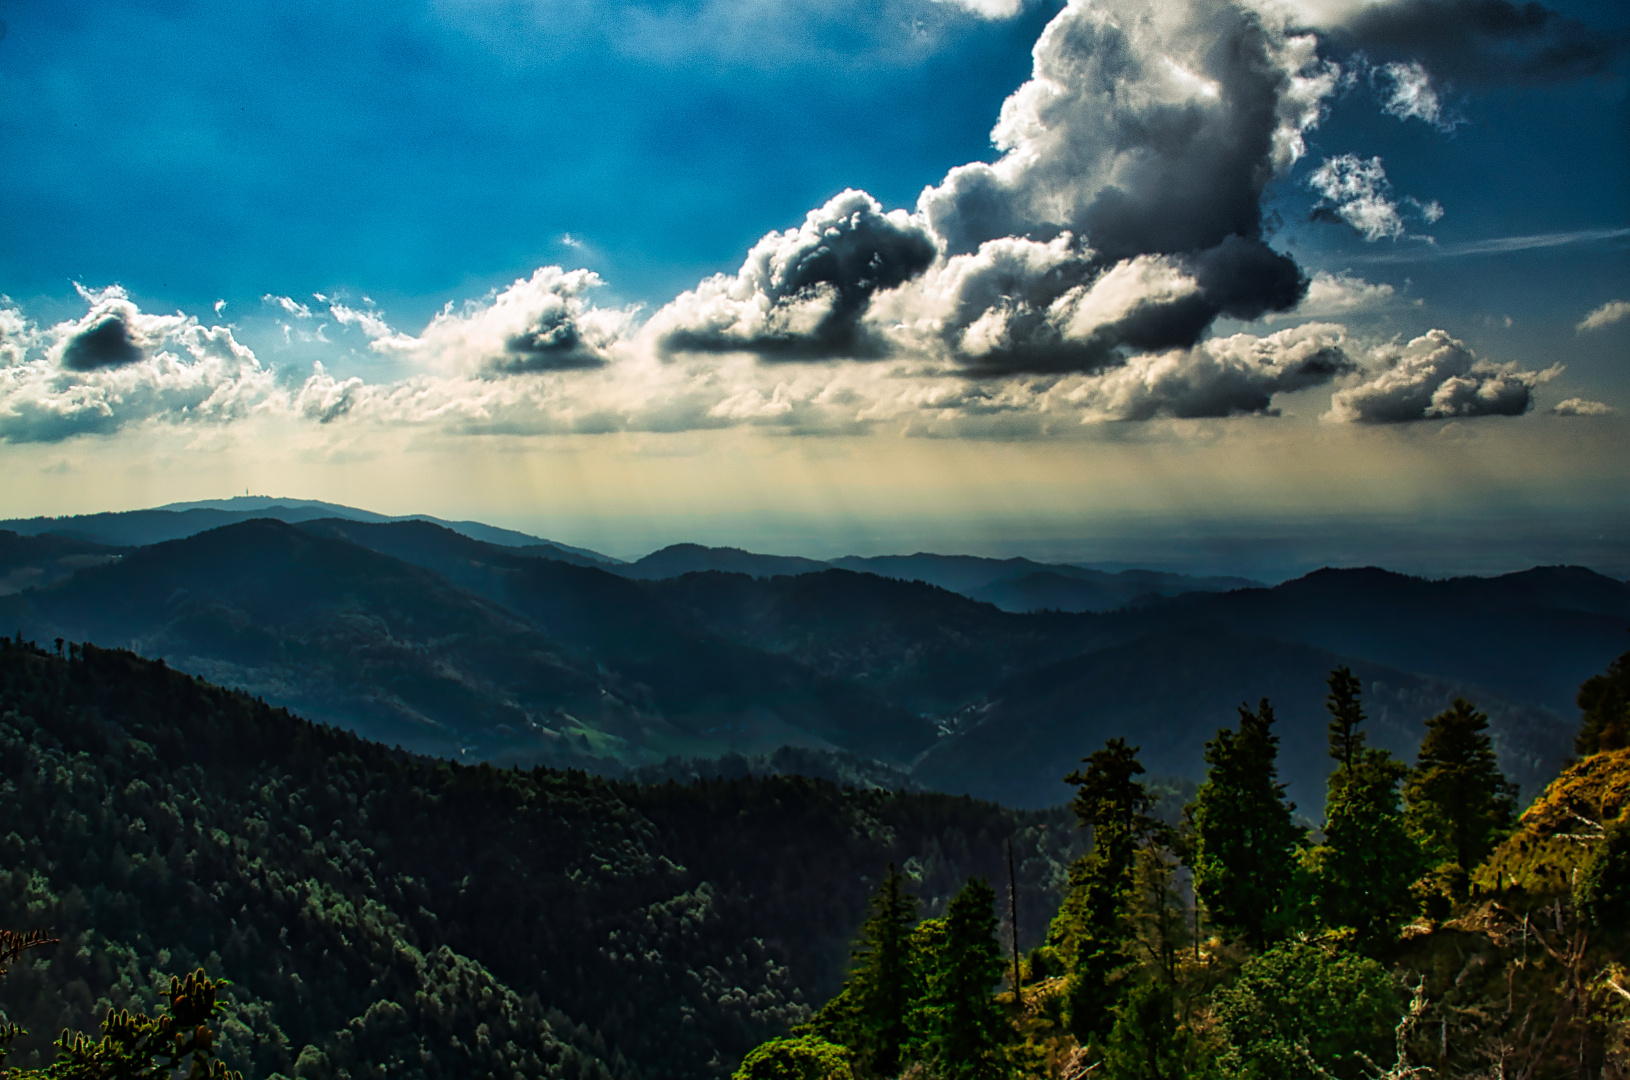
1247, 286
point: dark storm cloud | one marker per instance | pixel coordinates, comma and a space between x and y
555, 343
107, 343
1480, 41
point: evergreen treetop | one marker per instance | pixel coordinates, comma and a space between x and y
1605, 701
1346, 713
1243, 834
1459, 802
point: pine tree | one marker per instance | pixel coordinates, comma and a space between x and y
1092, 928
1243, 835
1605, 701
1346, 713
1459, 803
871, 1014
962, 1032
1363, 871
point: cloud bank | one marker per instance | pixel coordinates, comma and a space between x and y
1074, 279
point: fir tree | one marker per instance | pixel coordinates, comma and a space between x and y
1243, 835
1346, 713
1092, 928
871, 1014
1605, 701
962, 1032
1460, 804
1363, 871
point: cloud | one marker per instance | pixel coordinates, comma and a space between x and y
1606, 315
1413, 96
801, 293
538, 324
290, 305
1357, 191
1435, 377
987, 9
1581, 407
1341, 294
118, 366
1221, 377
1486, 42
370, 323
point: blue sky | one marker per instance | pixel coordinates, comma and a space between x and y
1243, 345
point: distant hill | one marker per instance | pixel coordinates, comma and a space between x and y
30, 561
176, 521
1025, 585
679, 559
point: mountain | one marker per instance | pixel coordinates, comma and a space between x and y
930, 649
382, 914
1080, 589
728, 693
1169, 692
679, 559
176, 521
1532, 636
1025, 585
30, 561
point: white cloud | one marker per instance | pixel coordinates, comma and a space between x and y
1358, 192
541, 323
1606, 315
371, 323
1341, 294
118, 366
1411, 95
1436, 377
1581, 407
290, 305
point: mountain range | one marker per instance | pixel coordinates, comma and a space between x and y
419, 634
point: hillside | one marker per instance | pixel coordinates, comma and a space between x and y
378, 912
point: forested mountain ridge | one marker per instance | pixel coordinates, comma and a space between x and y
382, 914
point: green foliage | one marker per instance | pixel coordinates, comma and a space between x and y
1346, 713
1302, 1011
135, 1046
1244, 840
362, 901
805, 1057
1459, 803
871, 1014
1602, 893
1147, 1042
1363, 871
961, 1031
1605, 701
1092, 928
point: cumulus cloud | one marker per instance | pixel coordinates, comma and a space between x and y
1581, 407
1606, 315
1476, 41
538, 324
1220, 377
1436, 377
118, 365
1357, 191
801, 293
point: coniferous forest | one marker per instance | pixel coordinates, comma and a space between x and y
194, 880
